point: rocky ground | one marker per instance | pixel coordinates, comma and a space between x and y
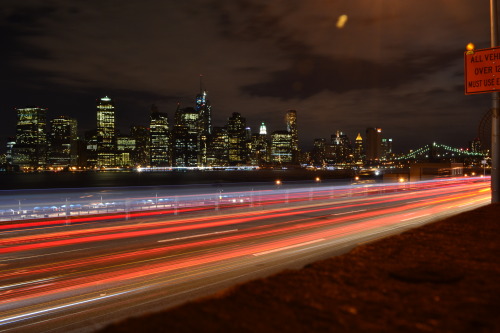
442, 277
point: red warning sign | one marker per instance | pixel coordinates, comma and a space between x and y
482, 71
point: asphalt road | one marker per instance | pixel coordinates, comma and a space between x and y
64, 275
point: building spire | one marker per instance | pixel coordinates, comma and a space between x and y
201, 83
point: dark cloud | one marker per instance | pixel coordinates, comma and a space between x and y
310, 74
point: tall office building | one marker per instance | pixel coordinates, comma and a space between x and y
358, 150
218, 148
11, 142
106, 133
281, 147
204, 109
30, 150
125, 147
263, 129
90, 139
236, 133
260, 150
318, 153
373, 145
141, 155
185, 133
340, 149
291, 126
160, 150
62, 142
386, 149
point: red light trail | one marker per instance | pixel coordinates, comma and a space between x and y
43, 269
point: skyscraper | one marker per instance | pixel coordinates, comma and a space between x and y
218, 147
263, 129
125, 147
260, 149
319, 152
106, 134
291, 127
11, 142
386, 149
142, 138
373, 145
30, 150
204, 110
62, 140
160, 150
281, 147
236, 125
340, 149
186, 132
205, 113
358, 150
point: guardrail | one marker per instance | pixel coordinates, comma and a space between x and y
39, 206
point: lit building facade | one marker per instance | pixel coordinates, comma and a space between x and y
30, 150
125, 147
11, 142
260, 149
340, 150
281, 147
91, 149
386, 149
204, 110
236, 125
160, 148
359, 150
291, 126
318, 153
106, 133
263, 129
185, 133
141, 135
62, 142
218, 151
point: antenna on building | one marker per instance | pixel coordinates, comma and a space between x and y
201, 83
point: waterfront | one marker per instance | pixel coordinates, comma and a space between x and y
40, 180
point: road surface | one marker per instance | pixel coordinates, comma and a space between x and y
77, 274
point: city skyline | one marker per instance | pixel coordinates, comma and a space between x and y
398, 66
159, 123
283, 115
193, 142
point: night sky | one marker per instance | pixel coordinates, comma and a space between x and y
394, 64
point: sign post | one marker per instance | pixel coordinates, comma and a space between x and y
482, 75
495, 116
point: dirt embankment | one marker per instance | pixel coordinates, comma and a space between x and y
442, 277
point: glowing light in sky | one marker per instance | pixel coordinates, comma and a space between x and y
342, 20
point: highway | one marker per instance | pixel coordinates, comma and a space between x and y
79, 273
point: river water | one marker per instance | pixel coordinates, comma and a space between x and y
43, 180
